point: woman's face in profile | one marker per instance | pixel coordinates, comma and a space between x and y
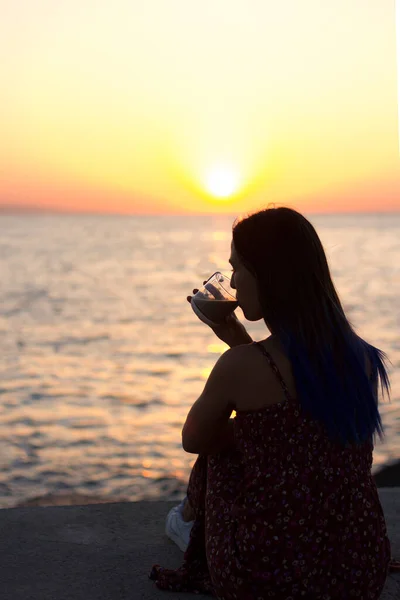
245, 285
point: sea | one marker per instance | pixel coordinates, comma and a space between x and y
102, 356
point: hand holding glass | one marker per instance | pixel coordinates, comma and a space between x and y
213, 302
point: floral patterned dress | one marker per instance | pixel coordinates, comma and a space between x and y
287, 514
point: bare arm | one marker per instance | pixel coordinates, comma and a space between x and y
225, 441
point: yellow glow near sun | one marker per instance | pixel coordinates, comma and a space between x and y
222, 182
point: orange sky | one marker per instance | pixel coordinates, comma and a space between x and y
199, 107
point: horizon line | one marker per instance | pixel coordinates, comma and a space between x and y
34, 210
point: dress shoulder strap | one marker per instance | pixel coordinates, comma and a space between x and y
275, 369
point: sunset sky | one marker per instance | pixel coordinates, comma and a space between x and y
164, 106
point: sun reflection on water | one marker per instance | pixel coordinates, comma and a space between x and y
216, 348
205, 372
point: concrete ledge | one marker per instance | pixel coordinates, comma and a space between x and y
105, 551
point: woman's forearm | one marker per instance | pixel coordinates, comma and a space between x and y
225, 440
240, 340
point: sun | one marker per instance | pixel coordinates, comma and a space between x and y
222, 181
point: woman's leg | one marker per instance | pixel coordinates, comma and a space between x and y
193, 575
188, 513
219, 477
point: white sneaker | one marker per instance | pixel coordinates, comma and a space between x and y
176, 528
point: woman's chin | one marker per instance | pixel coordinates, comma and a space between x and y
247, 315
251, 317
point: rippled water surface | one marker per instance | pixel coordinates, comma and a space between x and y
102, 356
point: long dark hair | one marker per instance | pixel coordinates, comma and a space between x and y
300, 305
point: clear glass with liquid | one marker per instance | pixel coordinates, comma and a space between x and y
214, 302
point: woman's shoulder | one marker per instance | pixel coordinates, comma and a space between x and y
261, 372
261, 376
